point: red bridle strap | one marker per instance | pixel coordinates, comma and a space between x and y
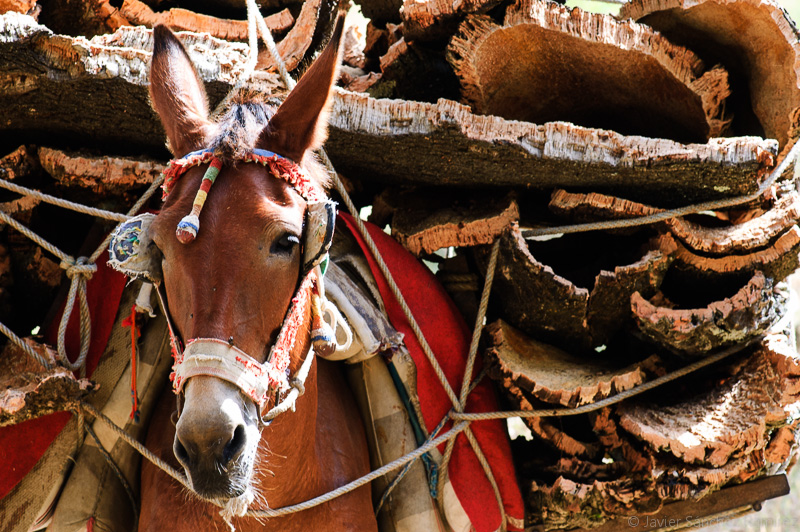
218, 358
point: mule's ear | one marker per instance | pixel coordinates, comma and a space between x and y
300, 123
177, 94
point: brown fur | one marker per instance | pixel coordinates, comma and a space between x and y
235, 282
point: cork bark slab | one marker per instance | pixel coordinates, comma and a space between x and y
709, 429
20, 6
749, 37
294, 46
566, 504
549, 63
552, 375
178, 19
754, 309
758, 231
777, 260
103, 175
691, 482
20, 162
423, 223
27, 390
53, 84
406, 142
381, 11
438, 19
56, 85
538, 299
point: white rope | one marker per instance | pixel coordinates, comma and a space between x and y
671, 213
79, 271
85, 209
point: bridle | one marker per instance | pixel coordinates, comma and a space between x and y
133, 253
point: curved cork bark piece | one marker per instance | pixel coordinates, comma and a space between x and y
428, 20
776, 261
620, 76
108, 15
754, 233
754, 309
748, 37
683, 482
543, 302
552, 375
19, 163
294, 46
566, 504
27, 390
730, 420
555, 434
178, 19
102, 175
381, 11
26, 7
424, 223
408, 142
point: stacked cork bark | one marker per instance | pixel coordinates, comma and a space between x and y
461, 123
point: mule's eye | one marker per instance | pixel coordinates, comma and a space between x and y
285, 244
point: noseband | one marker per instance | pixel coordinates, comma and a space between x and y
221, 359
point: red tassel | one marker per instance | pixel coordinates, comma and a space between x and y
131, 322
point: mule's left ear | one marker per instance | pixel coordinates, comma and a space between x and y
300, 123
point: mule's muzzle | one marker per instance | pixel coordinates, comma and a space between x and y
214, 462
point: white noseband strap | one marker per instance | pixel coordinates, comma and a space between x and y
217, 358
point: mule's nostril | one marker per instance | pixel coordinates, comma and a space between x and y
181, 453
234, 447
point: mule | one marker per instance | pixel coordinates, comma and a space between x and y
233, 285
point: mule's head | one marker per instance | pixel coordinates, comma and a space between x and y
235, 281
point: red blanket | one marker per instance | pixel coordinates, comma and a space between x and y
24, 444
449, 338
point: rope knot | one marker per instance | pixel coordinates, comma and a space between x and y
298, 385
79, 266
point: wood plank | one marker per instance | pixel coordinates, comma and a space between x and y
716, 508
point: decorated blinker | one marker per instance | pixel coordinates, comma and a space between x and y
132, 251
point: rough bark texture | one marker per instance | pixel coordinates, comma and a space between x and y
102, 175
757, 230
438, 19
178, 19
26, 7
381, 11
411, 143
731, 420
610, 75
18, 163
552, 375
426, 224
749, 313
724, 31
776, 261
544, 301
29, 391
294, 46
52, 85
67, 86
566, 504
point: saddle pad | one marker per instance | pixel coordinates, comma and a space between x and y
448, 335
23, 444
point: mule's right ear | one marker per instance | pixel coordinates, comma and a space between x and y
177, 94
